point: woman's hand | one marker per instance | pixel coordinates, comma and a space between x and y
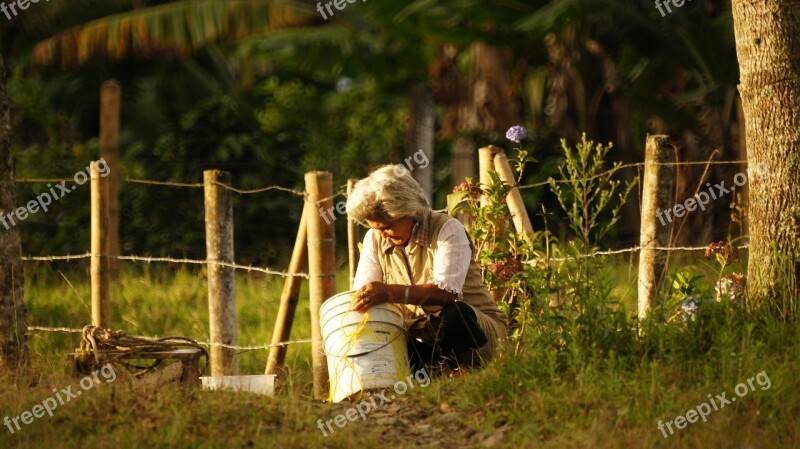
370, 295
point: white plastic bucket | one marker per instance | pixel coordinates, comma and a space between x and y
362, 354
258, 383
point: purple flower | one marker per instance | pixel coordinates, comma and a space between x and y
689, 307
516, 133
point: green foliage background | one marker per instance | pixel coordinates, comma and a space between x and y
333, 95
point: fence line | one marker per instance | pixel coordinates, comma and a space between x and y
192, 185
285, 274
40, 180
260, 190
54, 258
68, 330
268, 271
630, 250
168, 260
300, 193
163, 183
635, 164
173, 184
305, 275
338, 193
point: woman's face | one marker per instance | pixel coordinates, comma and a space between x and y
398, 232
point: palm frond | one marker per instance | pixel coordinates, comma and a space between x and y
180, 27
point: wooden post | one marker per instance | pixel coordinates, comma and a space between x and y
289, 297
486, 165
519, 215
657, 196
321, 273
110, 106
101, 313
352, 239
221, 279
463, 153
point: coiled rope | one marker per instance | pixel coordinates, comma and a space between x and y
99, 346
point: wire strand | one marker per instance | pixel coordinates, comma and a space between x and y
615, 169
247, 268
204, 343
629, 250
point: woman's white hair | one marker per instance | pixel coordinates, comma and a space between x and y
389, 193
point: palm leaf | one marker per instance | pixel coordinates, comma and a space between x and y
180, 27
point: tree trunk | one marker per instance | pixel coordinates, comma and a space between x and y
421, 138
13, 329
768, 47
463, 156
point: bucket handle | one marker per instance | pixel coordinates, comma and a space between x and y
403, 332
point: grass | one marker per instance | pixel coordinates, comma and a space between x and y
575, 385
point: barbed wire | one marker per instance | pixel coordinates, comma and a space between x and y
54, 258
224, 186
169, 260
340, 192
612, 252
42, 180
269, 271
164, 183
301, 193
260, 190
175, 184
631, 165
306, 276
233, 189
204, 343
205, 262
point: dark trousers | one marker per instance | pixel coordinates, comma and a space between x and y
449, 336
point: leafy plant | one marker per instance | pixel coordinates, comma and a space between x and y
585, 192
683, 284
514, 266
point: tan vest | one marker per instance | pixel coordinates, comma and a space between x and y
419, 271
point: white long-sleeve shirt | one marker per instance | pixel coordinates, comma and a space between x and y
450, 262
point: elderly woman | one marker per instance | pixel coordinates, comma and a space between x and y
423, 260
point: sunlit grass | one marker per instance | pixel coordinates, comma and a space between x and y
563, 390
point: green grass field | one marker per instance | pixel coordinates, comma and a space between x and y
575, 384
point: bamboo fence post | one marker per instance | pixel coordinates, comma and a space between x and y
101, 302
110, 107
516, 206
657, 196
289, 297
352, 239
486, 165
221, 279
321, 273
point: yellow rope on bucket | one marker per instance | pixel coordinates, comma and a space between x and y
349, 344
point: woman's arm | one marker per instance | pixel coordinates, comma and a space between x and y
376, 293
450, 265
369, 269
